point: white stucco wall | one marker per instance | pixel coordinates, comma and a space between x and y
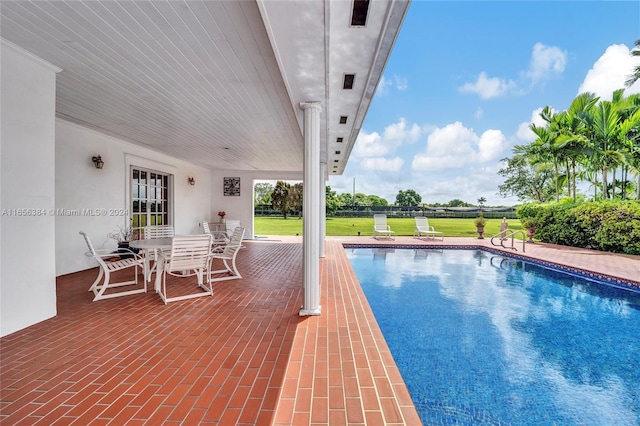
79, 185
46, 168
241, 208
27, 245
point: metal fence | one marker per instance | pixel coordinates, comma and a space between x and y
405, 211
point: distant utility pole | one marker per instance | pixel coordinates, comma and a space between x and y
353, 197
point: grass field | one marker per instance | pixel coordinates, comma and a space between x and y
341, 226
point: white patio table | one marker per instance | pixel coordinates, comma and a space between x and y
149, 246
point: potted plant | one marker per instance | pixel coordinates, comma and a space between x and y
480, 221
530, 224
222, 214
123, 235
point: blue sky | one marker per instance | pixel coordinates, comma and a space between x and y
464, 81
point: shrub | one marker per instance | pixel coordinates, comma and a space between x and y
612, 226
558, 225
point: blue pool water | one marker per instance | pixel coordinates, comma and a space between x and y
484, 339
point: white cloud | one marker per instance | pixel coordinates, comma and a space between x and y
382, 164
370, 145
545, 60
398, 133
490, 145
469, 187
455, 146
432, 185
524, 133
383, 86
401, 83
479, 113
488, 88
610, 72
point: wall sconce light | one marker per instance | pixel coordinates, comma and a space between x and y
97, 160
192, 181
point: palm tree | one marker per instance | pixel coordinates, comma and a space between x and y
636, 72
606, 130
592, 137
481, 202
629, 133
573, 139
544, 148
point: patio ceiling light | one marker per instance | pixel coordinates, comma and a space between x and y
359, 13
347, 83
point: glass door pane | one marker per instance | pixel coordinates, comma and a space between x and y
149, 198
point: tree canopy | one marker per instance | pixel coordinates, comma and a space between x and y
525, 181
332, 201
280, 199
408, 197
262, 193
594, 140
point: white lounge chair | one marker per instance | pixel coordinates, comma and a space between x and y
107, 266
424, 229
380, 227
227, 254
190, 255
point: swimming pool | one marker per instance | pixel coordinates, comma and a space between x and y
481, 338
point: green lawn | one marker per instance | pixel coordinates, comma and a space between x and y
340, 226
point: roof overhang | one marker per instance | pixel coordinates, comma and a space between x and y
216, 83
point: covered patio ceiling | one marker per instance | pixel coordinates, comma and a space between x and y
216, 83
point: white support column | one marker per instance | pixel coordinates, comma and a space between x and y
311, 210
323, 206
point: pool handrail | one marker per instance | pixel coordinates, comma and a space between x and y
509, 234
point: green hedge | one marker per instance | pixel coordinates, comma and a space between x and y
612, 226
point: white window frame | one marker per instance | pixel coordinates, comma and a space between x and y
149, 166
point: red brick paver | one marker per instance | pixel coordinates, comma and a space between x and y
243, 356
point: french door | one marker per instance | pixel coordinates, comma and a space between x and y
151, 198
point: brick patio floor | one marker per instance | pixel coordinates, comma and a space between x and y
243, 356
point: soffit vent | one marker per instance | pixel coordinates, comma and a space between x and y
339, 140
343, 119
359, 13
337, 152
347, 83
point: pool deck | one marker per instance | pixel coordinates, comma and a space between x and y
241, 357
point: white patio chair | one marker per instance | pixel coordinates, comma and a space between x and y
158, 231
189, 256
153, 232
218, 237
380, 227
103, 257
227, 254
424, 229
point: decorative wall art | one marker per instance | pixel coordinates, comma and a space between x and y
232, 186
